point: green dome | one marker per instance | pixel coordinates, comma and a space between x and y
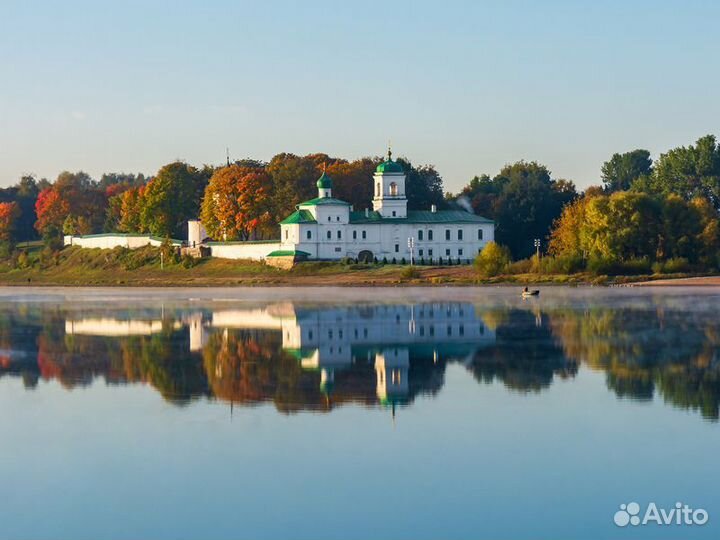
324, 182
389, 166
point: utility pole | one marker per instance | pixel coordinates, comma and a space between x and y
411, 246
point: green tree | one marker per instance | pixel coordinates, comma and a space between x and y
170, 199
621, 170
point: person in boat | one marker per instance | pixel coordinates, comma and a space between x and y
526, 290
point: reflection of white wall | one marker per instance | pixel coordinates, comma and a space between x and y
114, 327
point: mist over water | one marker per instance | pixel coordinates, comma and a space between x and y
354, 413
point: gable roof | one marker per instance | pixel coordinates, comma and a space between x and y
421, 216
299, 216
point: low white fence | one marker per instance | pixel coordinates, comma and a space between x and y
113, 240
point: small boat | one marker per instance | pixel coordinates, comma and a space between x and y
528, 294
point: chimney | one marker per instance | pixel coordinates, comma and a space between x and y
367, 212
433, 208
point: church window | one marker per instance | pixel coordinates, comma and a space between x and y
309, 235
393, 189
329, 235
354, 235
364, 235
460, 234
420, 252
429, 252
447, 252
394, 214
377, 192
420, 235
397, 248
460, 252
286, 234
329, 218
337, 219
480, 234
430, 235
447, 234
339, 235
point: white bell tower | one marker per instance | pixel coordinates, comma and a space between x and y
389, 189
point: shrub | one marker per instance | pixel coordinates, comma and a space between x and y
492, 260
394, 260
403, 261
410, 272
188, 261
384, 261
347, 260
523, 266
561, 264
615, 267
676, 265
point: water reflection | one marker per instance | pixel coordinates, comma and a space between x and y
314, 357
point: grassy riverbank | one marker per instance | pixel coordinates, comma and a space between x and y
142, 267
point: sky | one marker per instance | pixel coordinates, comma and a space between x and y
465, 86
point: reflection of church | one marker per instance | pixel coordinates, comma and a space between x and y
333, 340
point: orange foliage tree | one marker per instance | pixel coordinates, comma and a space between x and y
236, 205
9, 213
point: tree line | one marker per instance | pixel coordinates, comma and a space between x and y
641, 213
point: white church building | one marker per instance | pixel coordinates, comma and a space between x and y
329, 228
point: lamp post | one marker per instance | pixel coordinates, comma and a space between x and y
537, 248
411, 247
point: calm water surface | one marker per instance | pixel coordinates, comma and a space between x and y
335, 413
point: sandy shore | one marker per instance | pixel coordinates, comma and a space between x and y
707, 281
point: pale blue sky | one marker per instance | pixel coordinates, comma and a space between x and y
466, 86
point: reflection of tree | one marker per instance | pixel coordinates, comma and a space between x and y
643, 350
524, 356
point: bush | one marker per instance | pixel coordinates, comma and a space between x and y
188, 261
523, 266
394, 260
562, 264
403, 261
347, 260
410, 272
384, 261
615, 267
676, 265
492, 260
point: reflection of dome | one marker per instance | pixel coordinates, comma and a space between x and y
389, 166
324, 182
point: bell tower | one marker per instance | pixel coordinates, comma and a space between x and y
389, 189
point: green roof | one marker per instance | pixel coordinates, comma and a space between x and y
299, 216
389, 166
324, 182
421, 216
323, 200
288, 253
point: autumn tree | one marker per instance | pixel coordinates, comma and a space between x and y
237, 203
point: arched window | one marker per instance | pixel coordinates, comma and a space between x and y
377, 190
393, 189
329, 235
